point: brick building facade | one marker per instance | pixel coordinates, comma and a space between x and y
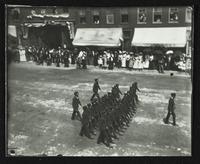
63, 22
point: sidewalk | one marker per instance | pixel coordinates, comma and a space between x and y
97, 69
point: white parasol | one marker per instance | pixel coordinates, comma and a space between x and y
170, 52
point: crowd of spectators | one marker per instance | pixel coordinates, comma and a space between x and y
105, 59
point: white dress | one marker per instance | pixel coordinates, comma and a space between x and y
100, 61
146, 64
105, 61
140, 62
123, 61
136, 63
22, 55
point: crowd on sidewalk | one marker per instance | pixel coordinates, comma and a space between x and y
105, 59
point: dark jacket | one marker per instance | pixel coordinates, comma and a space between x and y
75, 102
96, 87
171, 105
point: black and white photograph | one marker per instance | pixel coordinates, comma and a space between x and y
99, 81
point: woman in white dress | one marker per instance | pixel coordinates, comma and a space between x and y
146, 62
140, 63
136, 63
100, 61
22, 54
131, 63
105, 61
124, 61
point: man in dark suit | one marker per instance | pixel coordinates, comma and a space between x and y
171, 108
134, 88
96, 87
75, 104
116, 91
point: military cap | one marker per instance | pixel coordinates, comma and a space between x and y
76, 92
173, 94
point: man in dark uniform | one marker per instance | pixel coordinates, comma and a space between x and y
66, 58
84, 62
57, 59
171, 108
134, 88
75, 104
85, 123
161, 65
96, 87
116, 91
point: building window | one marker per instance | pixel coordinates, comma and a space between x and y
110, 18
43, 11
157, 15
96, 17
188, 15
82, 17
142, 16
124, 16
173, 15
55, 11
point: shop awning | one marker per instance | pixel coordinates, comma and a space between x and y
109, 37
12, 31
168, 37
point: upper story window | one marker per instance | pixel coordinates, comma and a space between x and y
157, 15
141, 16
43, 11
173, 15
110, 18
124, 16
188, 15
96, 17
82, 15
55, 11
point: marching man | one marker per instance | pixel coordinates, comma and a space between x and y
171, 108
75, 104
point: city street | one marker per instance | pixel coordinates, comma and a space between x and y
39, 111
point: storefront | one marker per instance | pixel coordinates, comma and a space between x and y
160, 41
49, 31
